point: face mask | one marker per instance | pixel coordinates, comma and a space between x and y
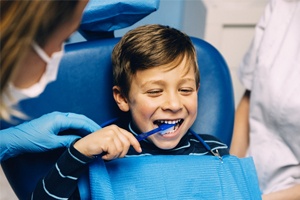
50, 74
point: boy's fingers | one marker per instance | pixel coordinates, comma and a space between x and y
119, 146
125, 145
111, 154
135, 143
132, 140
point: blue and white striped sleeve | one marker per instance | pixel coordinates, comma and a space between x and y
61, 181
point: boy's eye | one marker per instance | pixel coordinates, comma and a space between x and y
154, 92
186, 91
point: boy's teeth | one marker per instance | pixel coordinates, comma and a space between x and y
170, 122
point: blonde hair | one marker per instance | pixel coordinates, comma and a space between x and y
22, 22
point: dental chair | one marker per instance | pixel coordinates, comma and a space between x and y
84, 86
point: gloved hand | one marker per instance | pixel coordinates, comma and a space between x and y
40, 134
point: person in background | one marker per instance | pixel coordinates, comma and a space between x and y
32, 38
156, 80
267, 121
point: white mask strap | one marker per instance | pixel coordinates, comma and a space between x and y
41, 52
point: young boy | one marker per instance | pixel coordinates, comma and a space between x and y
156, 80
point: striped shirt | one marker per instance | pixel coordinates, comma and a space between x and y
61, 182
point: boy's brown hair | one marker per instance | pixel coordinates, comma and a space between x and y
150, 46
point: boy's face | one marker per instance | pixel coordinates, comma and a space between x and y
158, 95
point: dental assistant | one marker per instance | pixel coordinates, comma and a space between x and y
32, 38
267, 125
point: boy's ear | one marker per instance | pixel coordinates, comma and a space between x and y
120, 99
198, 87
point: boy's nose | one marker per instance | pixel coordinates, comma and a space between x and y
172, 102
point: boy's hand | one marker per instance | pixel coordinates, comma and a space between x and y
111, 140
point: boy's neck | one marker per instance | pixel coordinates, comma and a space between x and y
132, 127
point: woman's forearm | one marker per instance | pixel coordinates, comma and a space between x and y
240, 138
292, 193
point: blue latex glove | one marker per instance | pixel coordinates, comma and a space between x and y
40, 134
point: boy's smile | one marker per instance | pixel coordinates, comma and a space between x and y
163, 95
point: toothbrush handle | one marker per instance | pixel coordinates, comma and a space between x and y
143, 136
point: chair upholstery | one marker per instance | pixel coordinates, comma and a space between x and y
84, 85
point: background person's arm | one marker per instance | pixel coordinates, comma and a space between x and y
240, 138
292, 193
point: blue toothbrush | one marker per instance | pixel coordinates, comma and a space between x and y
163, 129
